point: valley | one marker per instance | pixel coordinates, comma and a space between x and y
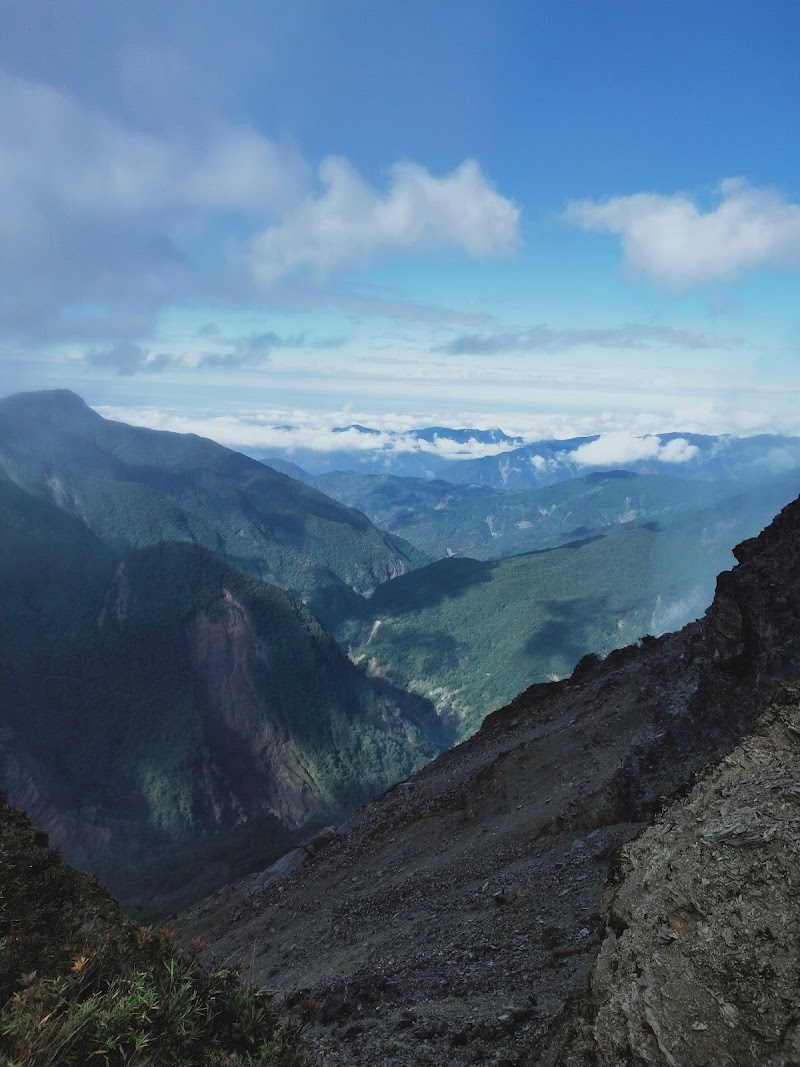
399, 534
215, 670
241, 659
461, 913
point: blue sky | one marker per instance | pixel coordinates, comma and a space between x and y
555, 217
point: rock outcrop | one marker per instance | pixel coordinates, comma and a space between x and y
700, 962
457, 918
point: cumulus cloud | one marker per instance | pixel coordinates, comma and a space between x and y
99, 219
623, 447
104, 224
675, 243
350, 223
632, 335
57, 153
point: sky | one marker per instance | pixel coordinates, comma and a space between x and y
556, 218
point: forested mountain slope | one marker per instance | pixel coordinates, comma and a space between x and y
471, 634
445, 519
154, 698
135, 487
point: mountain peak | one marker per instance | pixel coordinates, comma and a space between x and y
52, 404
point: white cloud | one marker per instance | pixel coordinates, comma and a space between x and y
290, 430
669, 615
623, 446
100, 221
350, 223
674, 243
55, 153
624, 437
104, 224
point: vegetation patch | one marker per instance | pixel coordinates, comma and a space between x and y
80, 984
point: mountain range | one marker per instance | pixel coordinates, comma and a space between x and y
446, 519
161, 696
237, 657
604, 871
158, 698
492, 458
470, 631
135, 487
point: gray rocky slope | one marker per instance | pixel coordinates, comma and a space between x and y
457, 919
700, 959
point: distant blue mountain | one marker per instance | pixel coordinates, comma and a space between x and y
529, 466
357, 426
707, 458
492, 436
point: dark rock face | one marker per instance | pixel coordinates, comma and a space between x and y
752, 623
255, 747
459, 916
700, 958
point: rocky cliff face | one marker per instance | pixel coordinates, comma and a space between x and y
457, 918
700, 958
224, 650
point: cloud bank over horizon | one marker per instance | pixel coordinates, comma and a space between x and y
621, 447
286, 431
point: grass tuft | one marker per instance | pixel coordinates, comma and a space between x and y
80, 984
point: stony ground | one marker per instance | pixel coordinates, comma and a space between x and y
453, 919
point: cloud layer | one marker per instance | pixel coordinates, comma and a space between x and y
349, 223
285, 431
674, 243
632, 335
247, 350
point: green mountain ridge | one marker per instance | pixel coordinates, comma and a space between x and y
445, 519
135, 487
156, 699
175, 716
470, 634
